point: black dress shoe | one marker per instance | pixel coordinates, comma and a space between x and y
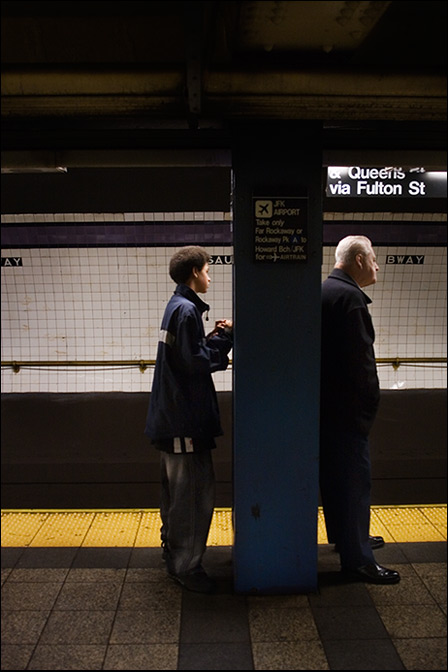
375, 542
374, 574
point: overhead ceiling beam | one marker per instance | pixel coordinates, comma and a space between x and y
318, 94
61, 161
226, 94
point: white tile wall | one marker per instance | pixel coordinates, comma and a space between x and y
409, 315
106, 304
93, 304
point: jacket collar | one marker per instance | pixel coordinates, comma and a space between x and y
338, 274
188, 293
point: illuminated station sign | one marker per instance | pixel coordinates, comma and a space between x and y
363, 182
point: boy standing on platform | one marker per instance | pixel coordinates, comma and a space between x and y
183, 417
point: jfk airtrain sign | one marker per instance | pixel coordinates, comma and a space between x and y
280, 228
364, 182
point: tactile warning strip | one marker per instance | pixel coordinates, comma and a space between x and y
141, 527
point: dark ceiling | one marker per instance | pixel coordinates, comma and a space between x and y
396, 34
124, 74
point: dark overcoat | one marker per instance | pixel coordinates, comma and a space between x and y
349, 381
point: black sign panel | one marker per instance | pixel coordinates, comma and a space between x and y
12, 262
280, 228
363, 182
221, 259
406, 259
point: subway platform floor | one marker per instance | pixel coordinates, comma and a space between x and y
88, 590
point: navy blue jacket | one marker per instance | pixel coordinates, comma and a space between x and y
183, 401
349, 381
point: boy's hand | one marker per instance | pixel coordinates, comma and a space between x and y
223, 324
226, 325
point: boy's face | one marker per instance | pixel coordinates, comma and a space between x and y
201, 279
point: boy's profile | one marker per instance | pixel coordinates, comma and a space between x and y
183, 417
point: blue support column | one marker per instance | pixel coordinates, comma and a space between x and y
277, 215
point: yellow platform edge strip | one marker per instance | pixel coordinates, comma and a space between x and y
141, 527
156, 510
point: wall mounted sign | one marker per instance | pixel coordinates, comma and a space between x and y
11, 262
406, 259
280, 228
363, 182
221, 259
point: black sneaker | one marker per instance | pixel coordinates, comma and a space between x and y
197, 582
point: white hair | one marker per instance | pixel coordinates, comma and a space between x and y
349, 247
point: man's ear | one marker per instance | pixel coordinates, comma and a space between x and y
359, 260
195, 272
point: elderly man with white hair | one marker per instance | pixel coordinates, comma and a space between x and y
349, 402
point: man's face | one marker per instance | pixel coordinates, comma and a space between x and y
369, 270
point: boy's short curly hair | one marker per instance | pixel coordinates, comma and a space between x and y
184, 260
